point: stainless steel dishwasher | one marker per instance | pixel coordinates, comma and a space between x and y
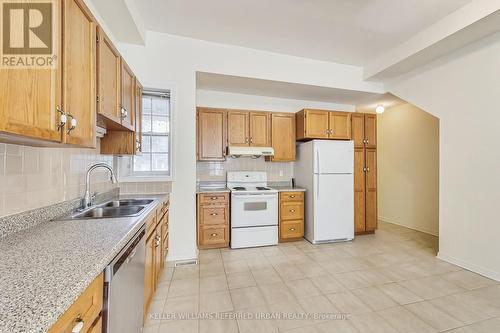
124, 288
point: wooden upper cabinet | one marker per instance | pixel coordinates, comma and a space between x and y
108, 78
211, 134
138, 116
79, 81
340, 125
238, 128
316, 124
371, 130
127, 106
358, 129
260, 134
283, 137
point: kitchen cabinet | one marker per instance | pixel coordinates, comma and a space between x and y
213, 220
291, 216
365, 172
364, 130
156, 250
108, 81
283, 137
55, 105
127, 107
211, 134
150, 261
124, 142
84, 312
323, 124
246, 128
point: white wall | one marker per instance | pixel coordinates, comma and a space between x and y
463, 90
171, 62
221, 99
408, 168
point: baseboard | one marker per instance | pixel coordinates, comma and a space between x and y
393, 221
182, 256
470, 267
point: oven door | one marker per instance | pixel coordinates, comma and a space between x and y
254, 210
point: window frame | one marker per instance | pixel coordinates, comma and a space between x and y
124, 164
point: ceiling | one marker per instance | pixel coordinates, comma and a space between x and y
344, 31
259, 87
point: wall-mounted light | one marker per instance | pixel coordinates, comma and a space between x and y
380, 109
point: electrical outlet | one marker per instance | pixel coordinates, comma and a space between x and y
281, 173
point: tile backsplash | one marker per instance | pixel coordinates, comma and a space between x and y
32, 177
145, 188
216, 171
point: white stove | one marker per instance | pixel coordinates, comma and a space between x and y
254, 209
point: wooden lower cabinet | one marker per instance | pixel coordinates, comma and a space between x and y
291, 216
85, 310
213, 220
156, 250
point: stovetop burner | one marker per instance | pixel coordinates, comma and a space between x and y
239, 188
262, 188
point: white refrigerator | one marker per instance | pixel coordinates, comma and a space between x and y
325, 168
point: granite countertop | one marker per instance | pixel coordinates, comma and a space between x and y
289, 189
208, 189
45, 268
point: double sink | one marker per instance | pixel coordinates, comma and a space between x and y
111, 209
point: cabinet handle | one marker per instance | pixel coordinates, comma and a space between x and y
73, 123
123, 112
62, 118
78, 327
327, 131
292, 210
213, 198
251, 140
364, 169
292, 196
367, 169
367, 141
214, 214
213, 235
246, 140
292, 229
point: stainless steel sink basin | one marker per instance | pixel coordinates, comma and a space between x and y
101, 212
111, 209
128, 203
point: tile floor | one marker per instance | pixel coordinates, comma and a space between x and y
387, 282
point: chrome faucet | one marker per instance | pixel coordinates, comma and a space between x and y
87, 198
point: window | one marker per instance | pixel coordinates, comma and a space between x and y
155, 157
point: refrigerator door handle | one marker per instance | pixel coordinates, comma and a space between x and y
317, 187
317, 161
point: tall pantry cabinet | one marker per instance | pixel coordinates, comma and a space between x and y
364, 135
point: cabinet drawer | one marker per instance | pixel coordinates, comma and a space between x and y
214, 198
291, 229
211, 236
86, 308
97, 328
213, 215
292, 196
291, 210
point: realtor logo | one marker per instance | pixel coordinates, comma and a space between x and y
27, 33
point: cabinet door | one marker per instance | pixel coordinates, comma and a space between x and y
358, 129
108, 78
371, 189
237, 128
211, 137
127, 110
158, 256
283, 137
79, 82
138, 117
359, 190
149, 272
316, 124
340, 125
260, 131
371, 130
29, 98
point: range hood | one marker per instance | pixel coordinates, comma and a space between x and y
234, 151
